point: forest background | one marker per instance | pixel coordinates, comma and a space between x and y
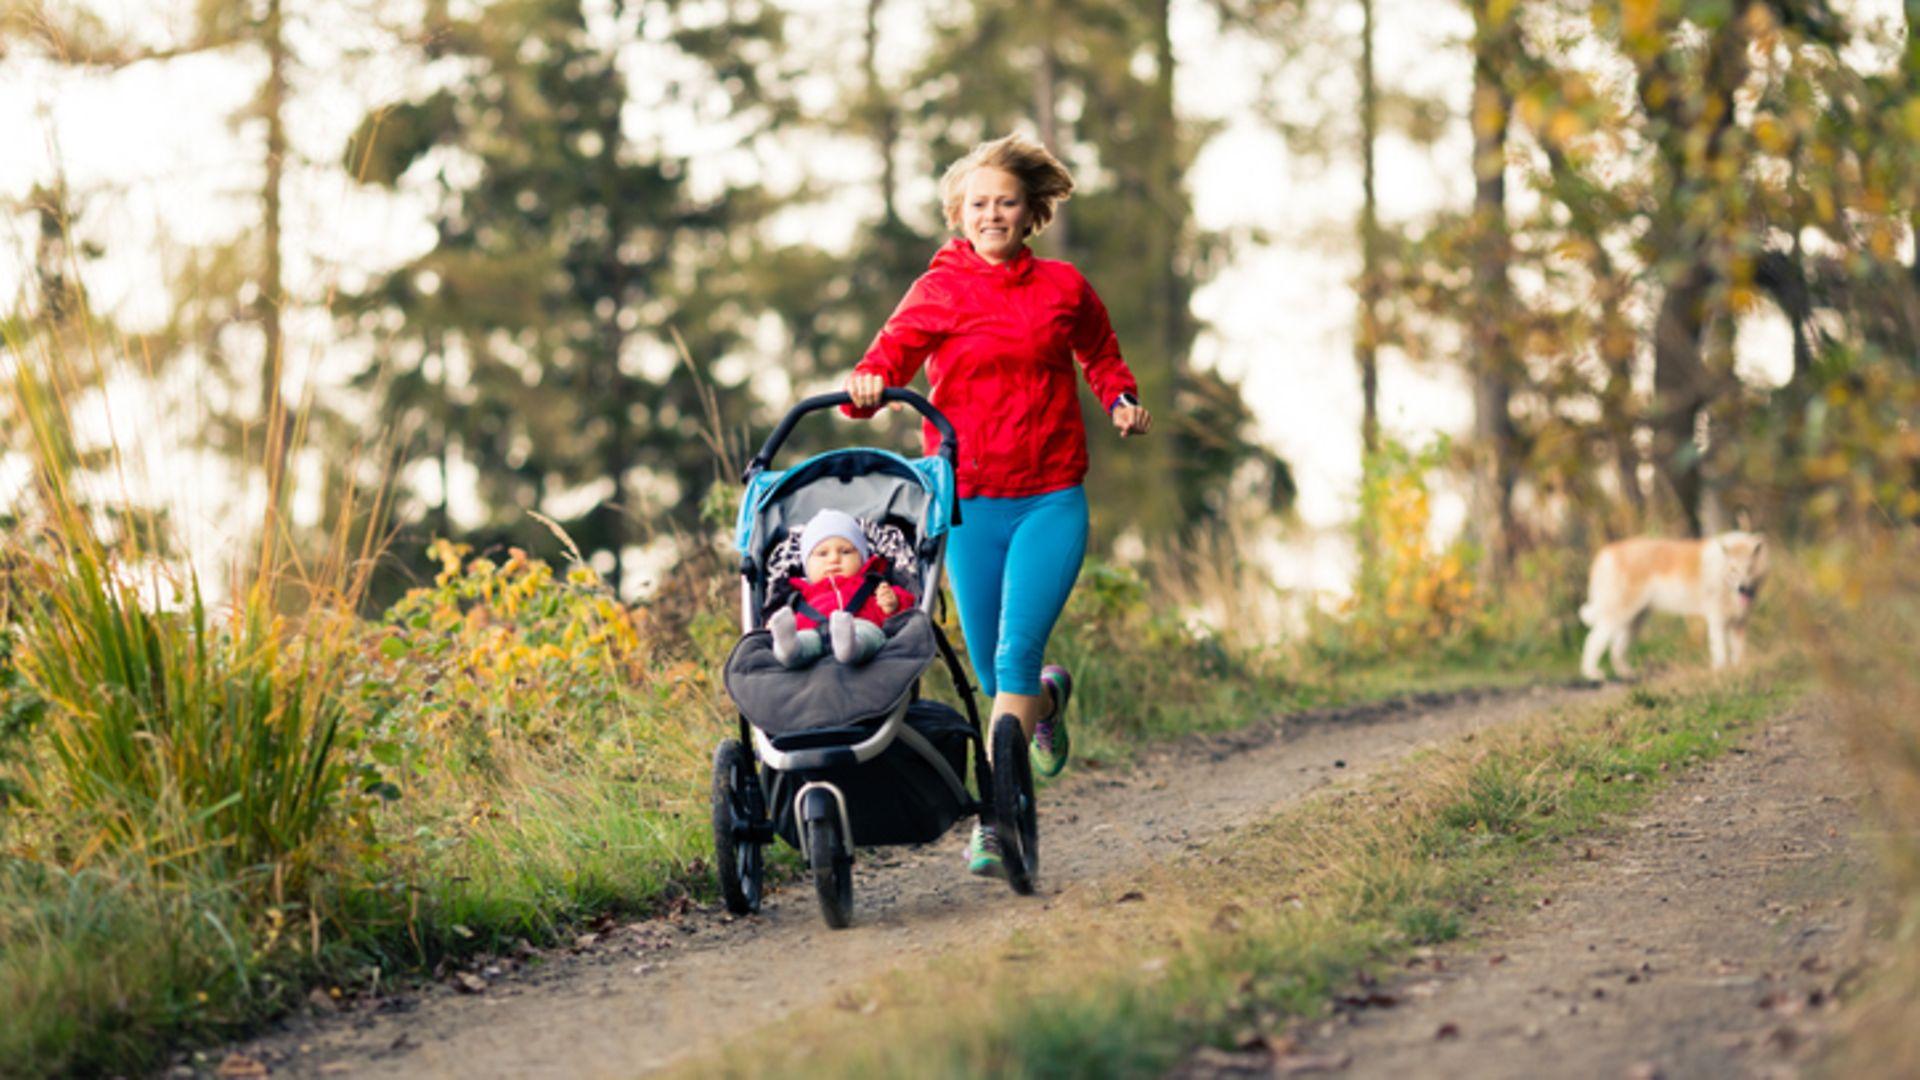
469, 243
396, 305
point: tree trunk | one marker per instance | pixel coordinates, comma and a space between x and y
885, 120
1681, 391
1495, 365
1910, 70
273, 411
1046, 110
1683, 383
617, 451
1367, 336
1166, 183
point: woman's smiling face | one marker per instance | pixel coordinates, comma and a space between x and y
994, 213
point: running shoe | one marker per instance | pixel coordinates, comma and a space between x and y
983, 853
1050, 744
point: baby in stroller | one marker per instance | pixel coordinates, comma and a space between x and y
844, 589
832, 757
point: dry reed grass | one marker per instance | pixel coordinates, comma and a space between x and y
1859, 609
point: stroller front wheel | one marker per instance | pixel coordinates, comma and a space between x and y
1014, 810
832, 866
738, 807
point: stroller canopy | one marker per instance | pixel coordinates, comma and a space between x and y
869, 484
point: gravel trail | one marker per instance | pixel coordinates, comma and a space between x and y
1714, 936
639, 995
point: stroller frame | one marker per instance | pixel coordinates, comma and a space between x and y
805, 769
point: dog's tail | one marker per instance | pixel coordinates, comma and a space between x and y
1587, 613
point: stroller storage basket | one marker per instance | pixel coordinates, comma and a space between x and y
900, 797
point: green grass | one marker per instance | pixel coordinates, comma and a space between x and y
95, 962
1269, 922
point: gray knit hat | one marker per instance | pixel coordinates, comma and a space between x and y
828, 523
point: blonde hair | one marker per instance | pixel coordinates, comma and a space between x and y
1045, 181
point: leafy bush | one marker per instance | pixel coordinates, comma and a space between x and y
1407, 595
542, 748
1143, 672
498, 651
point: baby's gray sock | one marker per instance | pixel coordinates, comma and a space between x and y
846, 647
785, 636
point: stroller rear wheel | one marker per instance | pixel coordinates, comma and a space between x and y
1017, 822
738, 807
832, 866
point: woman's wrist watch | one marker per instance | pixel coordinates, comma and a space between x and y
1128, 400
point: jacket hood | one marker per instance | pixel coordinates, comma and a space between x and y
958, 254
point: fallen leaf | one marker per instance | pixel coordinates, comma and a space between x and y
1372, 999
585, 941
1448, 1030
235, 1066
1781, 1003
468, 983
1130, 896
1276, 1045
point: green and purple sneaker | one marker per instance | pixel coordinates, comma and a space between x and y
983, 853
1050, 744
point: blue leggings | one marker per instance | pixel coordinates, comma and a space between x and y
1014, 562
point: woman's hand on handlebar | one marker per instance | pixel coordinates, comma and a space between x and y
865, 388
1132, 419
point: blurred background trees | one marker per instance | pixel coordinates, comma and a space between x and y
534, 342
1645, 187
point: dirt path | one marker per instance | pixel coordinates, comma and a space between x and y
639, 995
1705, 940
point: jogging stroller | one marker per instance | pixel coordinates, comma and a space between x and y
833, 757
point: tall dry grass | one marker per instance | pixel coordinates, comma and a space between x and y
1859, 612
186, 776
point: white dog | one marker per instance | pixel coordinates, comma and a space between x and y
1717, 578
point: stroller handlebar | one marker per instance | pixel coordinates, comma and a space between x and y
949, 443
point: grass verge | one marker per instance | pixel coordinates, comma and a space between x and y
1267, 922
1859, 608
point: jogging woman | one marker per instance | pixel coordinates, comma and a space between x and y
999, 332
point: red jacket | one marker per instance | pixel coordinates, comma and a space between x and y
830, 594
999, 343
